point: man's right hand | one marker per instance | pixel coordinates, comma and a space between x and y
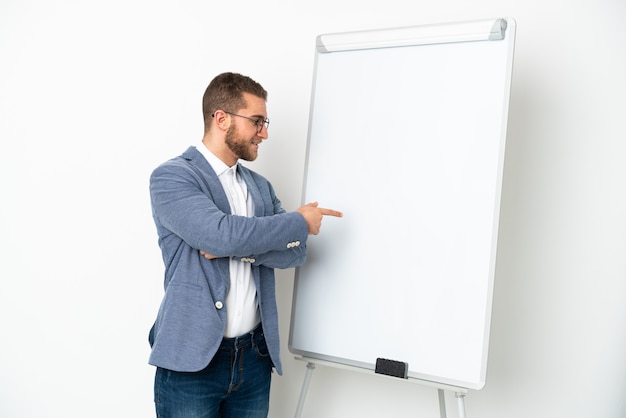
313, 216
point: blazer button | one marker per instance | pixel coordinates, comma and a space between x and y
219, 305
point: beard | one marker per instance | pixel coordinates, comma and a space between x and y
242, 148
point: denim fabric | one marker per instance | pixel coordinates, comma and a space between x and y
236, 384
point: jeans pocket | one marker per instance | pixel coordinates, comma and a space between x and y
261, 349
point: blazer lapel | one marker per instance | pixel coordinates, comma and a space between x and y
212, 186
253, 191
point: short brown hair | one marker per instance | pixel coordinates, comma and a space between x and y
225, 92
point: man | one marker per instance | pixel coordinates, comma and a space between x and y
222, 232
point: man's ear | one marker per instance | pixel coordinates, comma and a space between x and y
222, 119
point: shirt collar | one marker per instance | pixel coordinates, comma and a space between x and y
218, 165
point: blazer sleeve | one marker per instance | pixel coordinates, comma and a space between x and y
182, 205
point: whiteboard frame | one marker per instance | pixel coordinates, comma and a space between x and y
490, 30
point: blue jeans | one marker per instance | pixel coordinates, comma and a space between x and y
236, 384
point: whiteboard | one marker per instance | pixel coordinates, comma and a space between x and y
407, 138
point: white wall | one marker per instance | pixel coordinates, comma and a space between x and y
93, 95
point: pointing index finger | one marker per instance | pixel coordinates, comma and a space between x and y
331, 212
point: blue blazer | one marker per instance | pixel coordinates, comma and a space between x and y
191, 213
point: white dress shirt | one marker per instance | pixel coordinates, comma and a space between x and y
242, 309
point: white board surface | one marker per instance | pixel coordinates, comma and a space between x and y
408, 141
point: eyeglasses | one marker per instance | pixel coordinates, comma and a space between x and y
258, 122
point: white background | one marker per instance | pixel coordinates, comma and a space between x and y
93, 95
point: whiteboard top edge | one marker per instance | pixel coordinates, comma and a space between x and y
466, 31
